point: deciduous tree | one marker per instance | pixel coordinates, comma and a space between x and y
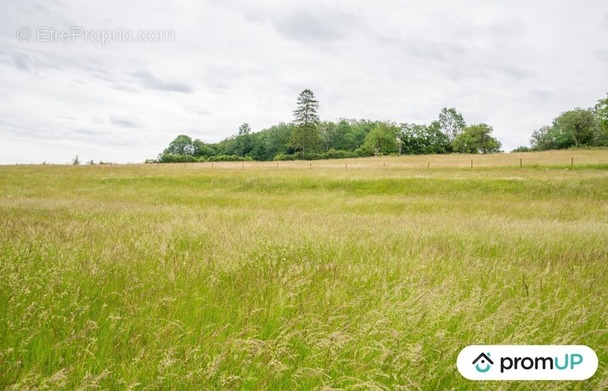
579, 124
476, 139
182, 145
422, 139
382, 140
451, 123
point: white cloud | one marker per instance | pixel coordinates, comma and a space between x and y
515, 65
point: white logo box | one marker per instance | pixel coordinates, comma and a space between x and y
527, 362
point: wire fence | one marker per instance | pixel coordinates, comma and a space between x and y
556, 159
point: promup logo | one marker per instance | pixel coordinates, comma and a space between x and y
527, 362
482, 359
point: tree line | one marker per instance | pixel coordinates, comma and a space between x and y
573, 129
309, 138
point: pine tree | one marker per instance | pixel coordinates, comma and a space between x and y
305, 135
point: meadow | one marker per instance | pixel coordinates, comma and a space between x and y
364, 274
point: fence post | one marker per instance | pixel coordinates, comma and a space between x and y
521, 163
572, 162
471, 163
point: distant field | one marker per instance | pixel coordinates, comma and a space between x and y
345, 274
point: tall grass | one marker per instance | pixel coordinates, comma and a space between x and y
371, 277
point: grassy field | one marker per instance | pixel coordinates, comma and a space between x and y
362, 274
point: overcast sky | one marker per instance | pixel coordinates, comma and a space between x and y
512, 64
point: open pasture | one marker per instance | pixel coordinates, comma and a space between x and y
345, 274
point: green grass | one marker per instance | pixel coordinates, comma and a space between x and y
371, 277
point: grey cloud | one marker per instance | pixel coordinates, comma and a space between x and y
18, 59
102, 75
22, 62
35, 60
85, 132
441, 51
27, 130
41, 8
41, 133
514, 71
449, 58
322, 24
201, 112
220, 76
603, 54
148, 80
87, 135
124, 87
7, 125
306, 26
457, 60
542, 94
124, 122
197, 110
605, 22
471, 30
67, 117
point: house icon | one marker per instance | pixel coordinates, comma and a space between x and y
483, 359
